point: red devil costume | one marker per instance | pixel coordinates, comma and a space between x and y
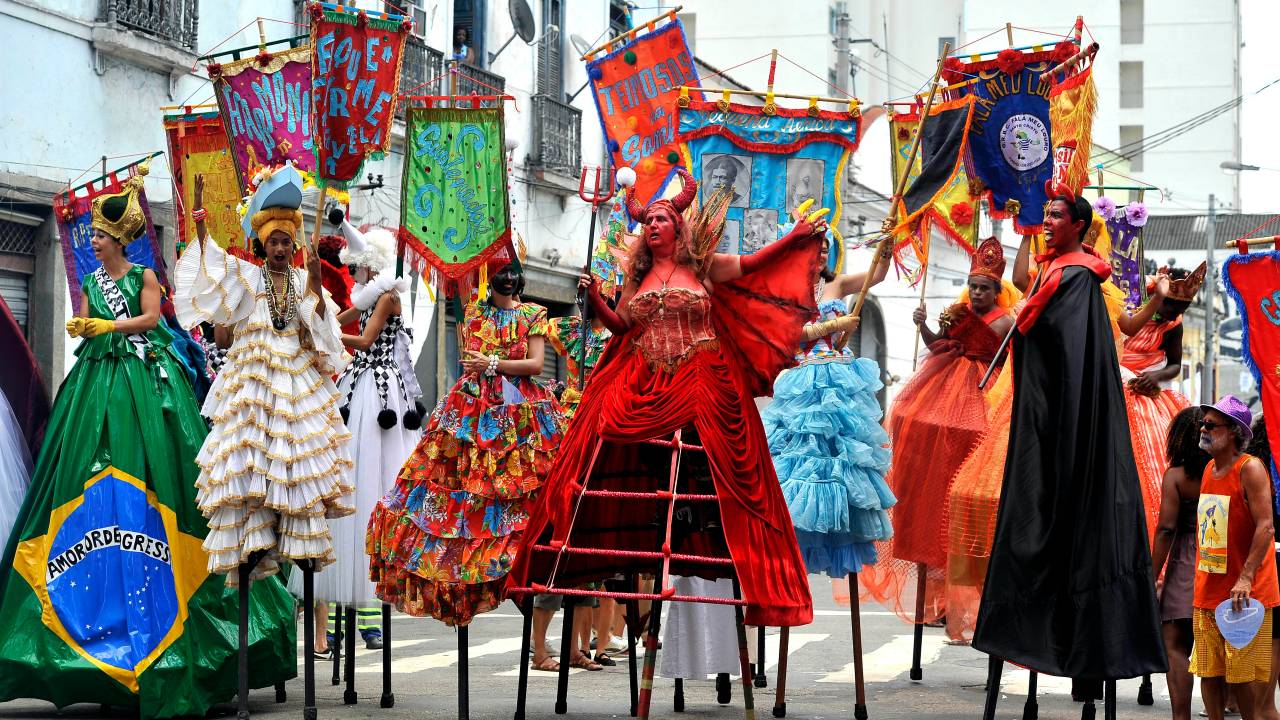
691, 359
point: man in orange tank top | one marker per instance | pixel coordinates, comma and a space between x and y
1234, 537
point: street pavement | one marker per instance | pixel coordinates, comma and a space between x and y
819, 682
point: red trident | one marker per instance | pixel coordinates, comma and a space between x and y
600, 192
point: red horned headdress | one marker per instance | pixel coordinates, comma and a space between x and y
679, 203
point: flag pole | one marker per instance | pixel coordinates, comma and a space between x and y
886, 241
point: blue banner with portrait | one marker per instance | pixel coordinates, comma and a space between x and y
770, 162
1010, 148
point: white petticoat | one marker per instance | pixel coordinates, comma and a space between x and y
15, 469
699, 639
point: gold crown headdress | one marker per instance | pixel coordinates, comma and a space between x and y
120, 214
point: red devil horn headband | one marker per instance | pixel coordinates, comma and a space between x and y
1052, 190
681, 201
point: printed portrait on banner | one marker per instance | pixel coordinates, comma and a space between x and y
804, 181
730, 173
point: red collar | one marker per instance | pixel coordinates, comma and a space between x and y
1087, 258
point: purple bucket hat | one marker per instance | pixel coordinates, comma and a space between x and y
1234, 408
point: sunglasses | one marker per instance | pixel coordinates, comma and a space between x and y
1206, 425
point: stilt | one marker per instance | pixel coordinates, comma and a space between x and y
650, 660
761, 679
677, 703
855, 625
242, 688
464, 675
526, 636
335, 647
724, 689
281, 695
1089, 711
995, 666
633, 619
388, 698
1109, 700
309, 639
1145, 696
917, 672
780, 697
349, 671
748, 696
567, 641
1031, 709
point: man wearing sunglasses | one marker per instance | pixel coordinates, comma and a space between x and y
1234, 537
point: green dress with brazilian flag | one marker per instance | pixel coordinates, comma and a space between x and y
105, 594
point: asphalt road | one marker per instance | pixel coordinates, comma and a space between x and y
819, 683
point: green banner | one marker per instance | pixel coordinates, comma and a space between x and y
453, 207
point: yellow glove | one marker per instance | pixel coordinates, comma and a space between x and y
75, 326
94, 327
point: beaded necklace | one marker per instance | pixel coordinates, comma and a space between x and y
280, 316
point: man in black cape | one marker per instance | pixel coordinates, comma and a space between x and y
1069, 590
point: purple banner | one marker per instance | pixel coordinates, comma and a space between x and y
266, 110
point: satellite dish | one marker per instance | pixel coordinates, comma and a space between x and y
580, 44
522, 22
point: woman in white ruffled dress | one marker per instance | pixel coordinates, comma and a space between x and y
277, 460
15, 469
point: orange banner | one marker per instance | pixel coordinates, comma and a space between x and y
198, 146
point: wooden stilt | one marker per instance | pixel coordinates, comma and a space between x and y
724, 689
761, 679
748, 697
281, 694
1145, 696
677, 702
309, 639
242, 688
995, 666
650, 660
567, 646
349, 670
388, 698
522, 689
335, 647
464, 675
855, 625
917, 672
1031, 709
633, 619
780, 697
1109, 700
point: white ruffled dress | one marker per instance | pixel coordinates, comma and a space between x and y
277, 460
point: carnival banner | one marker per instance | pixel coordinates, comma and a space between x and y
1072, 104
75, 230
356, 74
769, 164
937, 193
266, 108
1253, 281
636, 86
1010, 144
198, 146
1124, 225
454, 214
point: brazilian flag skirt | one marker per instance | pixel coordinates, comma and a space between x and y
104, 590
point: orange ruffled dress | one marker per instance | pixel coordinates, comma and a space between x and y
442, 541
1149, 417
936, 421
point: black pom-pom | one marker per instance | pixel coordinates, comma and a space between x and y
387, 419
413, 418
336, 216
345, 411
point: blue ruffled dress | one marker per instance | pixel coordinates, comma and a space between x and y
831, 454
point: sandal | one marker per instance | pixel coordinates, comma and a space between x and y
605, 660
546, 664
586, 663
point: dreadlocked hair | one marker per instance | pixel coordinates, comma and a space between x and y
1182, 446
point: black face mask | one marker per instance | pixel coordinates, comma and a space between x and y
505, 283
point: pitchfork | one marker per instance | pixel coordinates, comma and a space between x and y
598, 195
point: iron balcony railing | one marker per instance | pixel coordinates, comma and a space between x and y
557, 136
422, 63
170, 21
474, 81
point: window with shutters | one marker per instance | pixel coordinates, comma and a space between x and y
469, 15
17, 261
551, 51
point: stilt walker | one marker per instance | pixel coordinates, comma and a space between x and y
668, 421
277, 460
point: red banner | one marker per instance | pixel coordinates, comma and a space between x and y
355, 68
198, 146
636, 86
1253, 281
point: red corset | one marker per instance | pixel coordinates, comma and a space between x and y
674, 324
